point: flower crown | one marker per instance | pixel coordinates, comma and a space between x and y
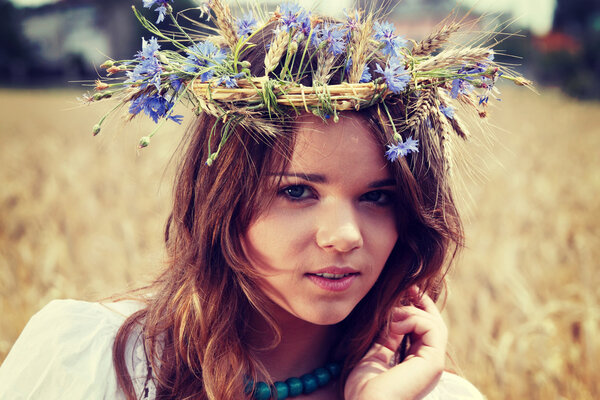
375, 66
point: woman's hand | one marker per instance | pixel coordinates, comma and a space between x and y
375, 376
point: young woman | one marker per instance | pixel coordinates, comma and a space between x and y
304, 260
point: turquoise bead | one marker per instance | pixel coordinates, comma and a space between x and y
262, 391
283, 391
323, 376
334, 368
295, 386
310, 383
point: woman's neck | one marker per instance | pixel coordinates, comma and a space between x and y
303, 346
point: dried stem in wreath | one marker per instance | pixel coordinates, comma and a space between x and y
343, 96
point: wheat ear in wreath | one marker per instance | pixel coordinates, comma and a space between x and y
453, 57
278, 47
435, 40
360, 48
422, 109
224, 21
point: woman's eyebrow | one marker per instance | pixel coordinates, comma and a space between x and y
382, 183
307, 177
322, 179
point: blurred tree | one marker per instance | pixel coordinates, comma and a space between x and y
577, 16
576, 65
15, 50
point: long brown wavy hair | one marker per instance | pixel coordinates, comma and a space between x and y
194, 325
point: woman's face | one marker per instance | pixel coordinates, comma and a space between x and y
323, 241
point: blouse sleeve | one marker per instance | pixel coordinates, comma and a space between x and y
65, 352
454, 387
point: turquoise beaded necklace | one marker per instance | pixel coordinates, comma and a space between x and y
293, 387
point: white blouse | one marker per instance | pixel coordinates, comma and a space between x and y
65, 352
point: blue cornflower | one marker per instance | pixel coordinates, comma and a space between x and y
384, 32
365, 76
149, 49
293, 17
229, 81
464, 85
155, 106
246, 25
402, 149
352, 22
482, 67
395, 75
148, 68
305, 25
448, 111
488, 85
460, 86
178, 119
162, 9
333, 35
203, 57
176, 82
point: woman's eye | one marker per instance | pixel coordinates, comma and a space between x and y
296, 192
377, 196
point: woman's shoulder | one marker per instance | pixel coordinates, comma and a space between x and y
65, 351
454, 387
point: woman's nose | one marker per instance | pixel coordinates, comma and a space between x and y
338, 228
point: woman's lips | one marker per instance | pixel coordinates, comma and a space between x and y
335, 270
335, 282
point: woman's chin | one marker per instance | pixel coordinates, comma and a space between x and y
327, 317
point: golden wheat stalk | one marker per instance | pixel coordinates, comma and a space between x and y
257, 126
278, 46
225, 22
453, 57
435, 40
252, 123
460, 128
422, 108
324, 64
445, 137
208, 107
360, 48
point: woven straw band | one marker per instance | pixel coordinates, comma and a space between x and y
342, 97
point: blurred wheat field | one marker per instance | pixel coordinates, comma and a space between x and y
82, 217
